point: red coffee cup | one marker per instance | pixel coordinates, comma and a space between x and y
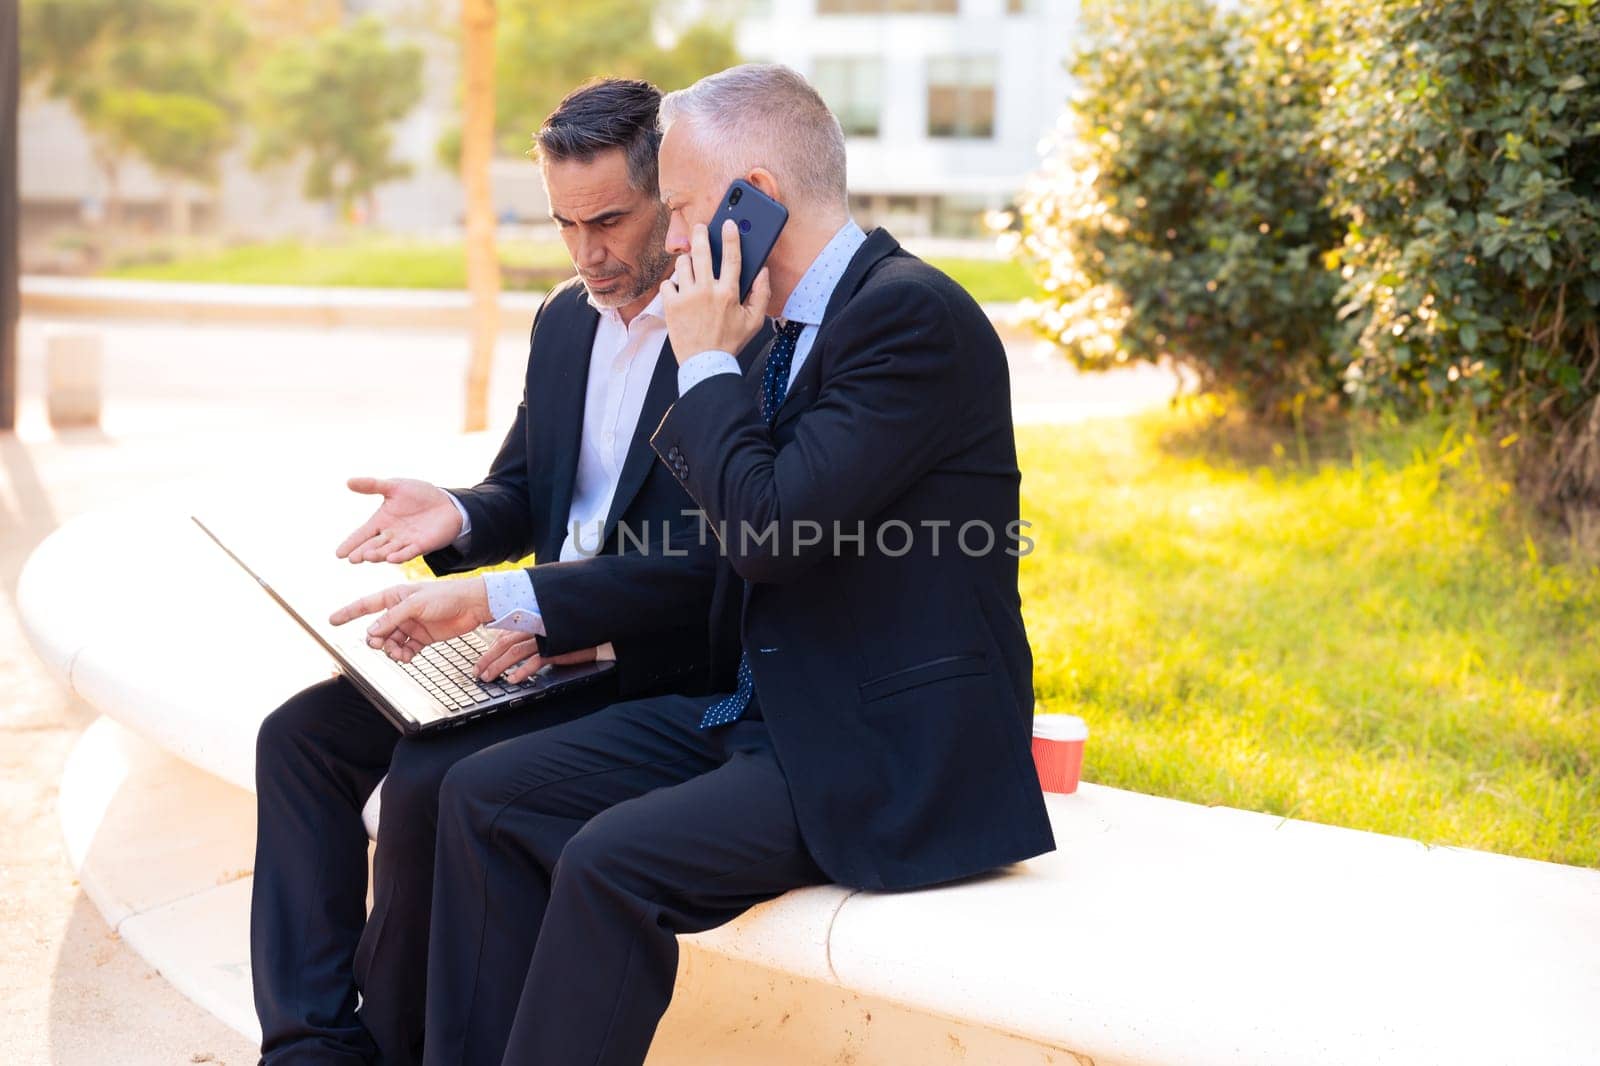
1058, 750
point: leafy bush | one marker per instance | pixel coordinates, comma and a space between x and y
1385, 202
1181, 213
1466, 147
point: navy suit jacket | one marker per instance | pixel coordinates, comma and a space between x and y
895, 677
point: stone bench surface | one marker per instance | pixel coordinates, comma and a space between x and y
1158, 932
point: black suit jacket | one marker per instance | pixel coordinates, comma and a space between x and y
522, 508
895, 679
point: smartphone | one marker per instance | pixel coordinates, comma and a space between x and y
760, 219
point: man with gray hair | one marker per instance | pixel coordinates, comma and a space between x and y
875, 695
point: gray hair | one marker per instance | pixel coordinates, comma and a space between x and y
766, 115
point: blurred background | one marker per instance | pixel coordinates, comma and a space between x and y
155, 130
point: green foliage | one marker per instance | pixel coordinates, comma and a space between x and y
333, 100
149, 78
543, 50
1363, 637
1466, 140
175, 133
1181, 213
1383, 202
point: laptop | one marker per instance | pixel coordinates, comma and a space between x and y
437, 689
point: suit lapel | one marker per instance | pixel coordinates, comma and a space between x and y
557, 439
879, 244
663, 389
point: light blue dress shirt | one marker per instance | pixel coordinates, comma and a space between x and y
807, 304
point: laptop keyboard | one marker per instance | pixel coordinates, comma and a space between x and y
445, 670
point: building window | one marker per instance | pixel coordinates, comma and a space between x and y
961, 96
960, 216
853, 89
886, 7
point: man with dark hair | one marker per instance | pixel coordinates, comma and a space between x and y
872, 691
574, 472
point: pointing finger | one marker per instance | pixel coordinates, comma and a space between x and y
368, 604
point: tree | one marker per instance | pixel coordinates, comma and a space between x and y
483, 264
152, 79
333, 100
545, 50
1466, 138
1181, 212
10, 297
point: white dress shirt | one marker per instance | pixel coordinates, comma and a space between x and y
621, 364
807, 303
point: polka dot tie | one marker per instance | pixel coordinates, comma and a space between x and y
774, 387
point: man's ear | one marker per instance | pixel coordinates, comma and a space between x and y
763, 179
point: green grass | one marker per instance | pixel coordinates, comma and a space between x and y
1369, 639
380, 263
391, 262
990, 280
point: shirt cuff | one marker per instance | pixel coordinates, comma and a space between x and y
705, 365
605, 653
460, 543
512, 602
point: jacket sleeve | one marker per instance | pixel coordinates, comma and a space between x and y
636, 594
886, 413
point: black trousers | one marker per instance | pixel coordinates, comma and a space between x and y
569, 860
312, 945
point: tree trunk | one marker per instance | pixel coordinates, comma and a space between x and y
477, 144
111, 210
178, 214
10, 210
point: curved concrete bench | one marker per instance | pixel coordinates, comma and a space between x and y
1159, 932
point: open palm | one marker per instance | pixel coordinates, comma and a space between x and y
414, 518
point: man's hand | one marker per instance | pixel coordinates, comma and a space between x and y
414, 518
419, 614
703, 312
517, 656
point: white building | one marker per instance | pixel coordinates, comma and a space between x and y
943, 102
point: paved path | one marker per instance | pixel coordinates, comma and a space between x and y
187, 407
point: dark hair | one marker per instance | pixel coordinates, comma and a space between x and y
603, 114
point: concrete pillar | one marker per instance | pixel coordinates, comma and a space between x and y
73, 364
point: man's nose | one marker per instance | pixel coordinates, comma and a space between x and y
677, 236
591, 251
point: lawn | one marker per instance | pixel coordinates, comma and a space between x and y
1362, 633
392, 262
376, 262
1370, 638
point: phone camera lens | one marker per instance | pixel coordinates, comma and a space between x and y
738, 194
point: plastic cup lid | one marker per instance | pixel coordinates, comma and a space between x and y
1059, 727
